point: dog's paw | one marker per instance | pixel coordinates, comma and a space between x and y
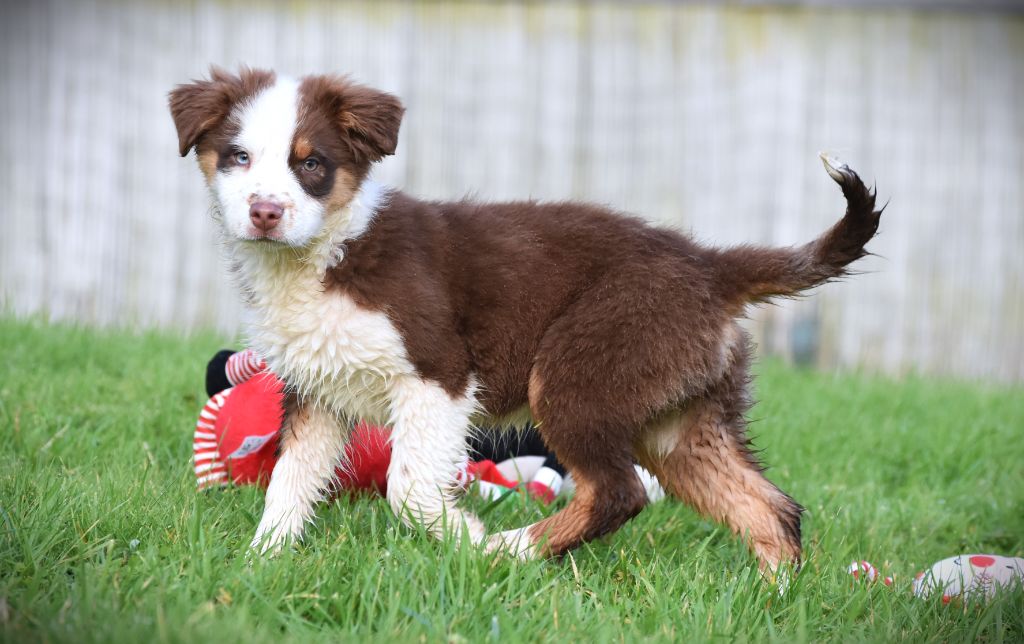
269, 543
514, 543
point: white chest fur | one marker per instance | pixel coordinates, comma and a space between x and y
333, 351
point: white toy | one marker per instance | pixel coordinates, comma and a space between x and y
971, 577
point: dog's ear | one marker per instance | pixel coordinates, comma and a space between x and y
202, 105
369, 119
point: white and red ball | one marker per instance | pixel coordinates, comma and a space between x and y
970, 576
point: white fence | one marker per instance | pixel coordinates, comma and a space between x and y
704, 117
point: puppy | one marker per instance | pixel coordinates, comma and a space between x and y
618, 339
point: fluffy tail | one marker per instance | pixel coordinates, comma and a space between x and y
753, 274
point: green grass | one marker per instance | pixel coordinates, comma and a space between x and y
103, 538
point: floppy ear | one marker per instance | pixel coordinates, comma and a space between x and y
201, 105
373, 118
369, 118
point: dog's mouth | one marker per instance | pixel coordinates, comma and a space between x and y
263, 239
253, 234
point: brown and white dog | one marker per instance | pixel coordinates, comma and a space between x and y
617, 338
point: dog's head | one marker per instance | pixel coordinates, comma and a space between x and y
281, 155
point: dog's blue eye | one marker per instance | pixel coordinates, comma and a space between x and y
310, 164
242, 158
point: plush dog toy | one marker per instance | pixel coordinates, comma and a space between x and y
235, 441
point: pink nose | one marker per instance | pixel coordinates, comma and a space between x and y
265, 215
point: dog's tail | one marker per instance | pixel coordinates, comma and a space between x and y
754, 274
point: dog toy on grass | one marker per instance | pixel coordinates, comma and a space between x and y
964, 577
970, 576
236, 434
236, 440
864, 570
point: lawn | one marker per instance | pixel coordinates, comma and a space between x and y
103, 538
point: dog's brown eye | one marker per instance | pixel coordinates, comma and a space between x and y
242, 158
310, 164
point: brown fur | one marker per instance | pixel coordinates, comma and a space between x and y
601, 324
367, 119
618, 335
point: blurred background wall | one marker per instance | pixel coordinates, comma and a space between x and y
703, 116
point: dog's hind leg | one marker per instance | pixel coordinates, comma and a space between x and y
608, 493
589, 393
428, 448
312, 446
701, 455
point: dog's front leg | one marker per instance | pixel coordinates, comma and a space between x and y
312, 446
428, 448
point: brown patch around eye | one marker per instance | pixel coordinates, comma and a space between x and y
315, 138
319, 134
317, 182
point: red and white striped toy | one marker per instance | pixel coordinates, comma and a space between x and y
863, 570
236, 433
244, 365
210, 467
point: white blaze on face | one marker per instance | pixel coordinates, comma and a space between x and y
267, 125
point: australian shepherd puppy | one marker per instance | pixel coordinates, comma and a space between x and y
618, 339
